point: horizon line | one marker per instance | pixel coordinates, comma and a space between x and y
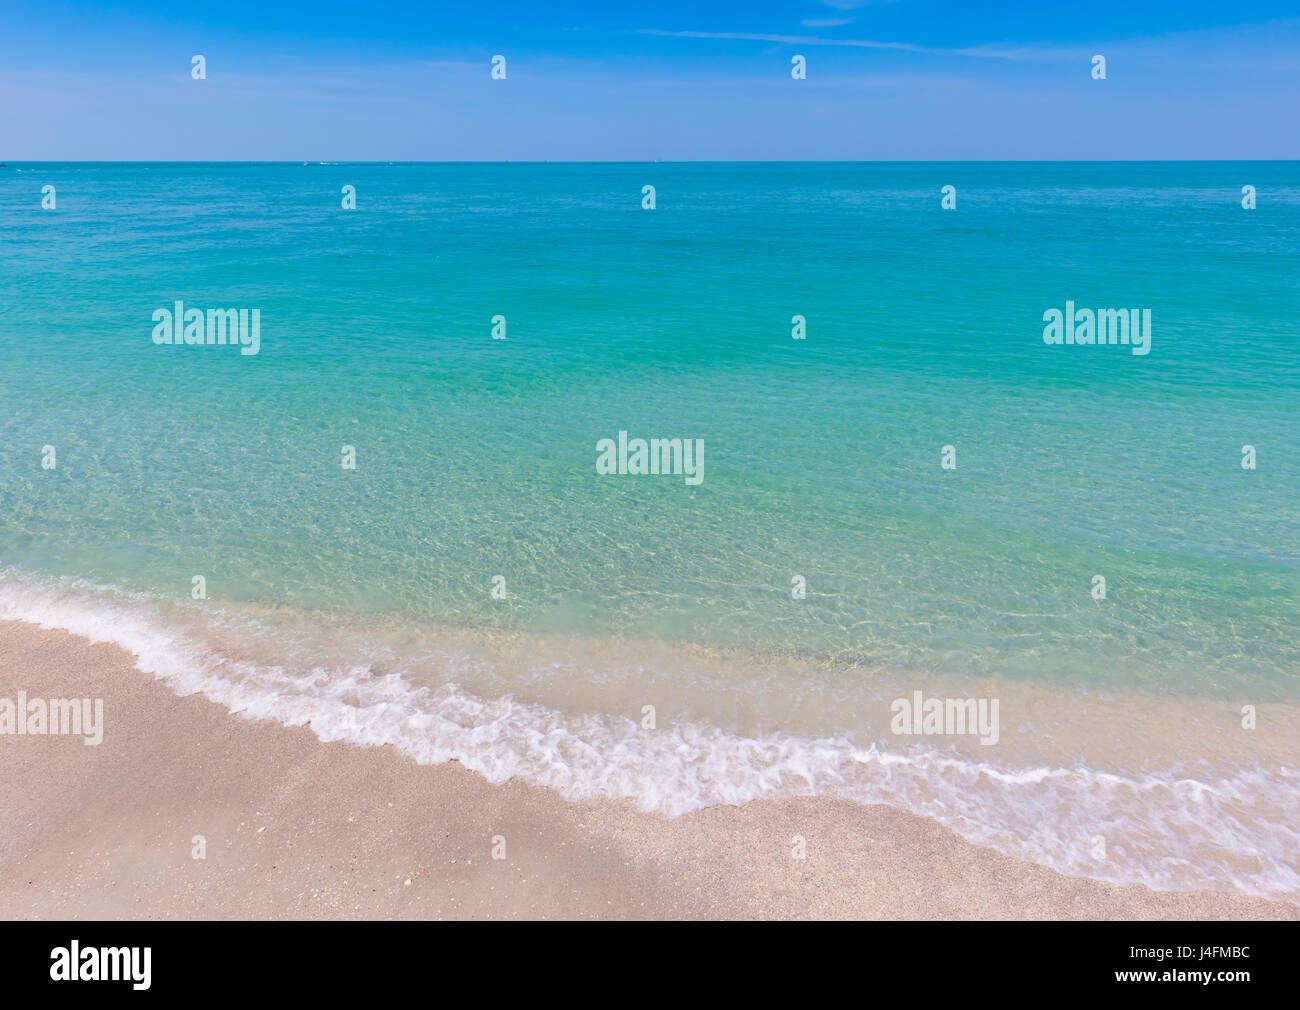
667, 161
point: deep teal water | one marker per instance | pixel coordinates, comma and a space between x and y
476, 457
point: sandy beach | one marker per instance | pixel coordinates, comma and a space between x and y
295, 828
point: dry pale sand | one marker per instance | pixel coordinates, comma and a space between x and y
300, 829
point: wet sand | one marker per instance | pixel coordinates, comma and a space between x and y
294, 828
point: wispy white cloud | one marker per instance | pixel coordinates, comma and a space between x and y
825, 22
1273, 34
989, 51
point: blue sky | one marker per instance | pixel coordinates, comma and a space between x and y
887, 79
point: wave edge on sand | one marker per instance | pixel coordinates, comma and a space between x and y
1049, 815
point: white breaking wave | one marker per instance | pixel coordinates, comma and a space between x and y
1166, 830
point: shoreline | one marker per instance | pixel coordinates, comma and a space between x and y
296, 828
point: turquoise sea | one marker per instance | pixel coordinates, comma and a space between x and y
362, 599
